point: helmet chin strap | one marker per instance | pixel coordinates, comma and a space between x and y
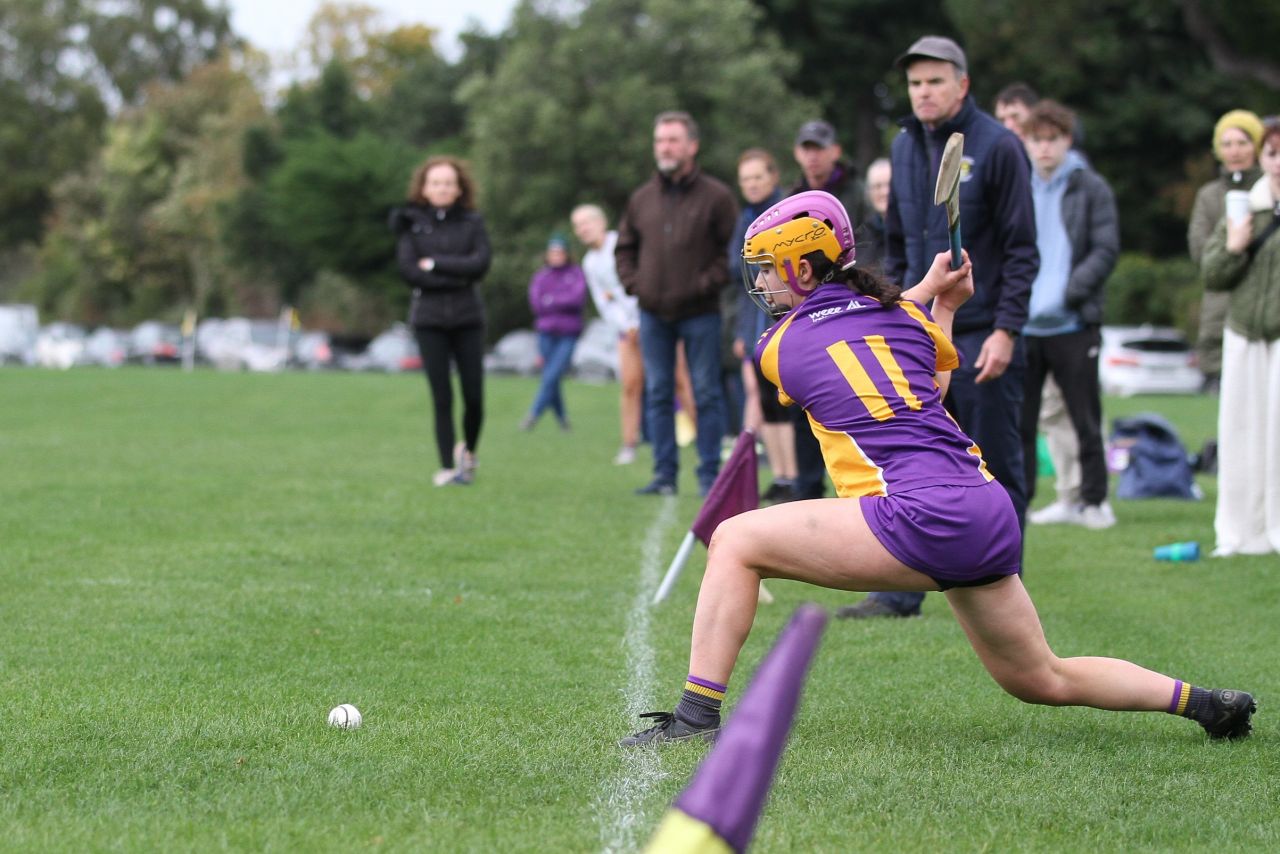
792, 280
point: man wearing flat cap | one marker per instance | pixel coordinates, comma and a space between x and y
999, 231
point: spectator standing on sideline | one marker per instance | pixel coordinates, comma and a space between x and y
557, 293
620, 310
1000, 236
1236, 139
1243, 259
822, 167
1013, 105
670, 255
442, 251
758, 181
731, 385
1078, 238
872, 240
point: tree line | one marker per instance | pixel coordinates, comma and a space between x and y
152, 168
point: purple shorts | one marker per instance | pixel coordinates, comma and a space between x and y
960, 536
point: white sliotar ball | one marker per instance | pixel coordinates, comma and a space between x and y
345, 716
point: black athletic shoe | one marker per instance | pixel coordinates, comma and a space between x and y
658, 487
870, 608
778, 493
1231, 713
668, 728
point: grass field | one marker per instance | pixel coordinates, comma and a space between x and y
198, 567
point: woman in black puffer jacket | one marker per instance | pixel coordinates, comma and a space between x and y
442, 251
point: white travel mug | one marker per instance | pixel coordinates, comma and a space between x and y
1237, 206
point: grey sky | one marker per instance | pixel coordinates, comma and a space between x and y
277, 25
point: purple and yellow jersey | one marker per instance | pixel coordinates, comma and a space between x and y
864, 374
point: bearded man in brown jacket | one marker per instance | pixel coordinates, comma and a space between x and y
670, 256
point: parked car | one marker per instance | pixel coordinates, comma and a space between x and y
392, 351
595, 358
155, 343
19, 325
59, 345
320, 350
515, 353
313, 351
241, 344
1147, 360
105, 347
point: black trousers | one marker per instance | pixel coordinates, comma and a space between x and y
464, 349
1072, 361
811, 470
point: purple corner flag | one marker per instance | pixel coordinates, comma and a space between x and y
736, 490
728, 791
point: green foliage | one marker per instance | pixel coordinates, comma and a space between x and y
314, 219
1146, 90
50, 122
421, 109
567, 114
846, 50
136, 202
329, 201
330, 104
340, 303
138, 43
1150, 290
136, 233
64, 63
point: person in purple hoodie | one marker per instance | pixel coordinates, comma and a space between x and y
557, 293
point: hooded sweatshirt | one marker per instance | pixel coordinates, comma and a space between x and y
556, 296
1047, 312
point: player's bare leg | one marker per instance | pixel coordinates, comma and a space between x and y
824, 542
1004, 629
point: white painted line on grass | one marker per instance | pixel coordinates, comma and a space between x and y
619, 808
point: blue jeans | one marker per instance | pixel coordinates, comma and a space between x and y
991, 415
557, 353
701, 337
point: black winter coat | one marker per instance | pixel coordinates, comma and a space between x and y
447, 297
1093, 227
998, 218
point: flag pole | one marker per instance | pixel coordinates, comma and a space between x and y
735, 490
721, 806
677, 564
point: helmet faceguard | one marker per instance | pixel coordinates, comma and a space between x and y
812, 221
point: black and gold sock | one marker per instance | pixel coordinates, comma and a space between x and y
700, 703
1191, 702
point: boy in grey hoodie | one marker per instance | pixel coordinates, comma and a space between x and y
1078, 236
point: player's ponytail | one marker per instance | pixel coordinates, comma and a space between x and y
857, 279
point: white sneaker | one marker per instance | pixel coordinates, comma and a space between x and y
1057, 513
1097, 516
625, 457
464, 459
444, 477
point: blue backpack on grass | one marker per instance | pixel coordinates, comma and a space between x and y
1151, 458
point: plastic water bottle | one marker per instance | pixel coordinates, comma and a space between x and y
1180, 552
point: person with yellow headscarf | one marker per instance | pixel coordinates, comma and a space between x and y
1236, 139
